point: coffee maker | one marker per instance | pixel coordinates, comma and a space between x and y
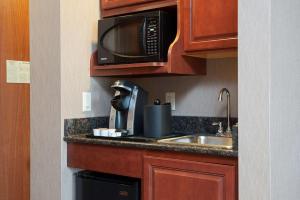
127, 107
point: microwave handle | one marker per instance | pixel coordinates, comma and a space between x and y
144, 37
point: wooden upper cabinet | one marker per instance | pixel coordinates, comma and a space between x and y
209, 24
166, 178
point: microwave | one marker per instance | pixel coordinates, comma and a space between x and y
136, 38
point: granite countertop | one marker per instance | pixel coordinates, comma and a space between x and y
153, 145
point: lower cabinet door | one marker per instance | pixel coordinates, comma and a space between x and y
172, 179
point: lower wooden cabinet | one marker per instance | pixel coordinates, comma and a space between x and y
174, 179
164, 175
111, 160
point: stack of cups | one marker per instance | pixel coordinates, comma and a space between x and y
105, 132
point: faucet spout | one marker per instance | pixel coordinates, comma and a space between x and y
226, 91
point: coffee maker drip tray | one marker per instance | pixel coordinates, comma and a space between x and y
117, 134
123, 138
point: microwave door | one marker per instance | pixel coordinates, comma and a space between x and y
137, 40
104, 55
124, 42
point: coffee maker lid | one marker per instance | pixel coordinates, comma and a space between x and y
124, 85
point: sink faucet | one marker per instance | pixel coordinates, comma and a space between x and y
225, 90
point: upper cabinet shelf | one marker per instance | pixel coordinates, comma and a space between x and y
118, 7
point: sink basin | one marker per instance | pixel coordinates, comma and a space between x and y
200, 140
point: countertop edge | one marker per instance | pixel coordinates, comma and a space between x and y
152, 146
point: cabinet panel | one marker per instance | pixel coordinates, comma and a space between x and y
210, 24
108, 4
120, 161
166, 178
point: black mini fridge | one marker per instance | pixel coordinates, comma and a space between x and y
98, 186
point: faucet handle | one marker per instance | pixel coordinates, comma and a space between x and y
220, 129
216, 123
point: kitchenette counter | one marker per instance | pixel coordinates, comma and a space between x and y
152, 145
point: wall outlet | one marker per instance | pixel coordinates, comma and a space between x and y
170, 98
86, 102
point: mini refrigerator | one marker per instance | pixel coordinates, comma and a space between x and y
98, 186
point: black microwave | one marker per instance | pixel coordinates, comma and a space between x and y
136, 38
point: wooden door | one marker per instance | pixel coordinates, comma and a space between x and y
209, 24
173, 179
14, 102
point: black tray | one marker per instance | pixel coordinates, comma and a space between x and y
134, 138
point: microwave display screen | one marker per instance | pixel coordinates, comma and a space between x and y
124, 39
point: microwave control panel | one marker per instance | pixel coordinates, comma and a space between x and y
152, 36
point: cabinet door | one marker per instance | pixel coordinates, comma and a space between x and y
209, 24
172, 179
108, 4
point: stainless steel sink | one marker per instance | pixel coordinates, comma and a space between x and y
200, 140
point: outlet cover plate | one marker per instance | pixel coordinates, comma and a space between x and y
170, 98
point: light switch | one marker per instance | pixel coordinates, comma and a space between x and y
170, 98
86, 102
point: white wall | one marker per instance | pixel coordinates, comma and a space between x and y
62, 37
198, 95
269, 79
45, 112
78, 40
285, 100
254, 96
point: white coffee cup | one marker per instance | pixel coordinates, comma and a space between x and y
97, 132
111, 132
104, 132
